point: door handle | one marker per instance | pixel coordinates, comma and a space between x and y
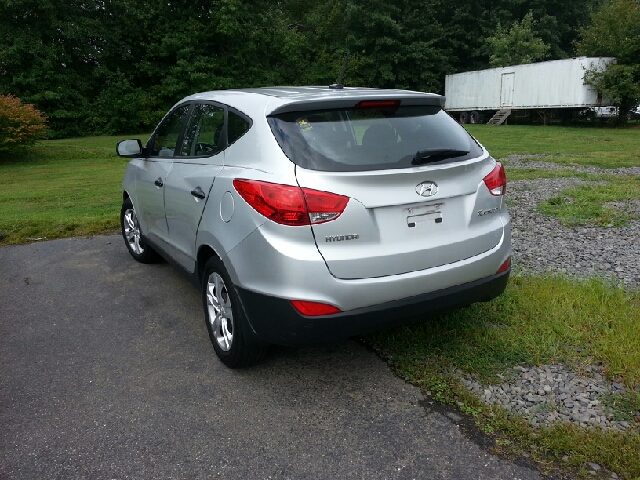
158, 182
198, 193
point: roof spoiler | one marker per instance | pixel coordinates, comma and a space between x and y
352, 101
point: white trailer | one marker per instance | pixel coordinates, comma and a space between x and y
558, 84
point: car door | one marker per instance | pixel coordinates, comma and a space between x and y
152, 174
198, 160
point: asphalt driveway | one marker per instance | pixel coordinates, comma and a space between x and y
107, 372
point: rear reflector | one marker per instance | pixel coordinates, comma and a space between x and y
505, 266
496, 181
314, 309
378, 104
291, 205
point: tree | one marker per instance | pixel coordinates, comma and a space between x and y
615, 32
115, 66
48, 49
20, 125
516, 45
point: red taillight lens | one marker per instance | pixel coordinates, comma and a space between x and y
291, 205
496, 181
505, 266
324, 206
314, 309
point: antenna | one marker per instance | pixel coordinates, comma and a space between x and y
338, 85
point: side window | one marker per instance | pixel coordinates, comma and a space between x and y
204, 131
237, 127
166, 137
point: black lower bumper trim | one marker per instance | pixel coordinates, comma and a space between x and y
275, 321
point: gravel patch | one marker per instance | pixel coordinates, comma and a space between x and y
541, 244
553, 393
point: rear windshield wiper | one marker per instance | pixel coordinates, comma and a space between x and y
435, 154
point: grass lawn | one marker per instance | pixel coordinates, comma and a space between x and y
61, 188
71, 187
602, 147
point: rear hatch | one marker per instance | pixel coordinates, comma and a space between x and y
414, 179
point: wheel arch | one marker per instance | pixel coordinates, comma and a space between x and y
205, 252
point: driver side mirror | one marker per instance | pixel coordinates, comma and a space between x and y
130, 148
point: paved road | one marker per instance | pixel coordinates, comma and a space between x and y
107, 373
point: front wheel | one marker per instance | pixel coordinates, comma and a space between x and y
132, 236
225, 318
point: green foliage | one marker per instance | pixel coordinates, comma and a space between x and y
620, 83
392, 46
615, 32
516, 45
95, 66
20, 125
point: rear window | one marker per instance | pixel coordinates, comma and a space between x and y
372, 138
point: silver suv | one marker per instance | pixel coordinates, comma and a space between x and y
311, 214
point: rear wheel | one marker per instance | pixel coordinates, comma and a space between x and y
225, 318
474, 117
464, 118
132, 236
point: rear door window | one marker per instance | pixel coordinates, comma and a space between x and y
361, 139
204, 134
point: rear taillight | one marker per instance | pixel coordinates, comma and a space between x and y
291, 205
496, 181
505, 266
314, 309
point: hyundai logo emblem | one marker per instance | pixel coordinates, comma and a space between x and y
427, 189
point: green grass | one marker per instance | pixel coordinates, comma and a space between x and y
605, 148
487, 337
61, 188
576, 323
584, 204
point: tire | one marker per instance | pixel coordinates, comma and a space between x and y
475, 117
225, 318
464, 118
132, 236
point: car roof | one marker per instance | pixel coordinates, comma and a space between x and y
273, 100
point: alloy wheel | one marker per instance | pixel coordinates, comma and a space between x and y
132, 231
220, 312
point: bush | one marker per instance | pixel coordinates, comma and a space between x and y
21, 124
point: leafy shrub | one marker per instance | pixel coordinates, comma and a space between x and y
20, 124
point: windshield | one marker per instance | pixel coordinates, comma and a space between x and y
372, 138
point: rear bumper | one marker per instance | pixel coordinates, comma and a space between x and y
274, 320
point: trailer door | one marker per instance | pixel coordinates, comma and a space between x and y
506, 89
